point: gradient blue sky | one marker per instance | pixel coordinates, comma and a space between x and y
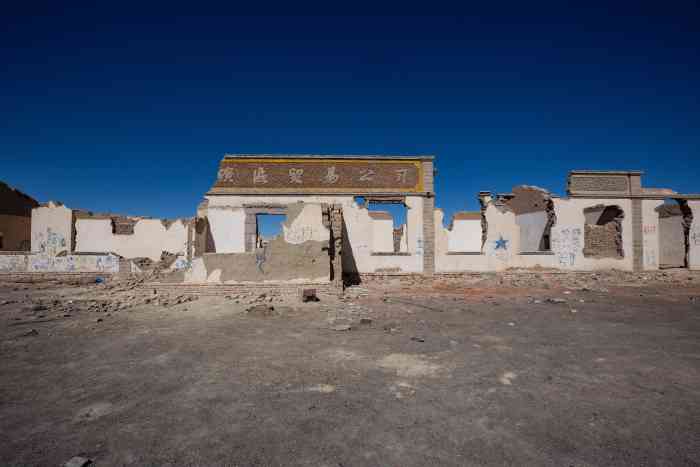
114, 108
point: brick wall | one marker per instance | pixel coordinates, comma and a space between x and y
292, 290
602, 241
598, 183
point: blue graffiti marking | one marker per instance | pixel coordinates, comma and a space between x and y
501, 243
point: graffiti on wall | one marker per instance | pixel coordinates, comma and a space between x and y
13, 263
695, 235
50, 242
566, 244
41, 262
181, 264
299, 234
500, 248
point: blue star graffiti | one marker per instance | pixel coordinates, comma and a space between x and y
501, 243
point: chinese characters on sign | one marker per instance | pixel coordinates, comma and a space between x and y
328, 175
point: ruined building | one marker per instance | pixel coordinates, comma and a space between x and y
339, 225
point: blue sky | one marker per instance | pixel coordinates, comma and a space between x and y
129, 110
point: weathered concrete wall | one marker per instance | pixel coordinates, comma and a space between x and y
42, 262
227, 224
278, 262
671, 242
382, 235
465, 235
52, 229
150, 238
304, 223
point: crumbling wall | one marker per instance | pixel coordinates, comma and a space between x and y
303, 253
357, 254
603, 239
568, 235
203, 239
305, 223
534, 211
150, 237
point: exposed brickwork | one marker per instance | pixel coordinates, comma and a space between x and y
601, 241
598, 183
123, 225
335, 218
398, 235
292, 290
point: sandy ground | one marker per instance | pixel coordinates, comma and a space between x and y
446, 375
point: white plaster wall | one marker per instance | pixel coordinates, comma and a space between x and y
694, 237
532, 225
150, 238
465, 235
357, 221
568, 235
650, 234
51, 229
382, 235
93, 235
227, 228
307, 226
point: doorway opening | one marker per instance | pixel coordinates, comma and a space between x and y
675, 219
268, 228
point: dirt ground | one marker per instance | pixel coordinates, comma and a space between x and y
487, 372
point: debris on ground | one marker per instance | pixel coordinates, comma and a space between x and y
309, 295
261, 310
77, 461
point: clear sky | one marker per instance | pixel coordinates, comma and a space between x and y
129, 108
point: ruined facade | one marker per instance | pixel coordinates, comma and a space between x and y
336, 226
328, 234
607, 221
